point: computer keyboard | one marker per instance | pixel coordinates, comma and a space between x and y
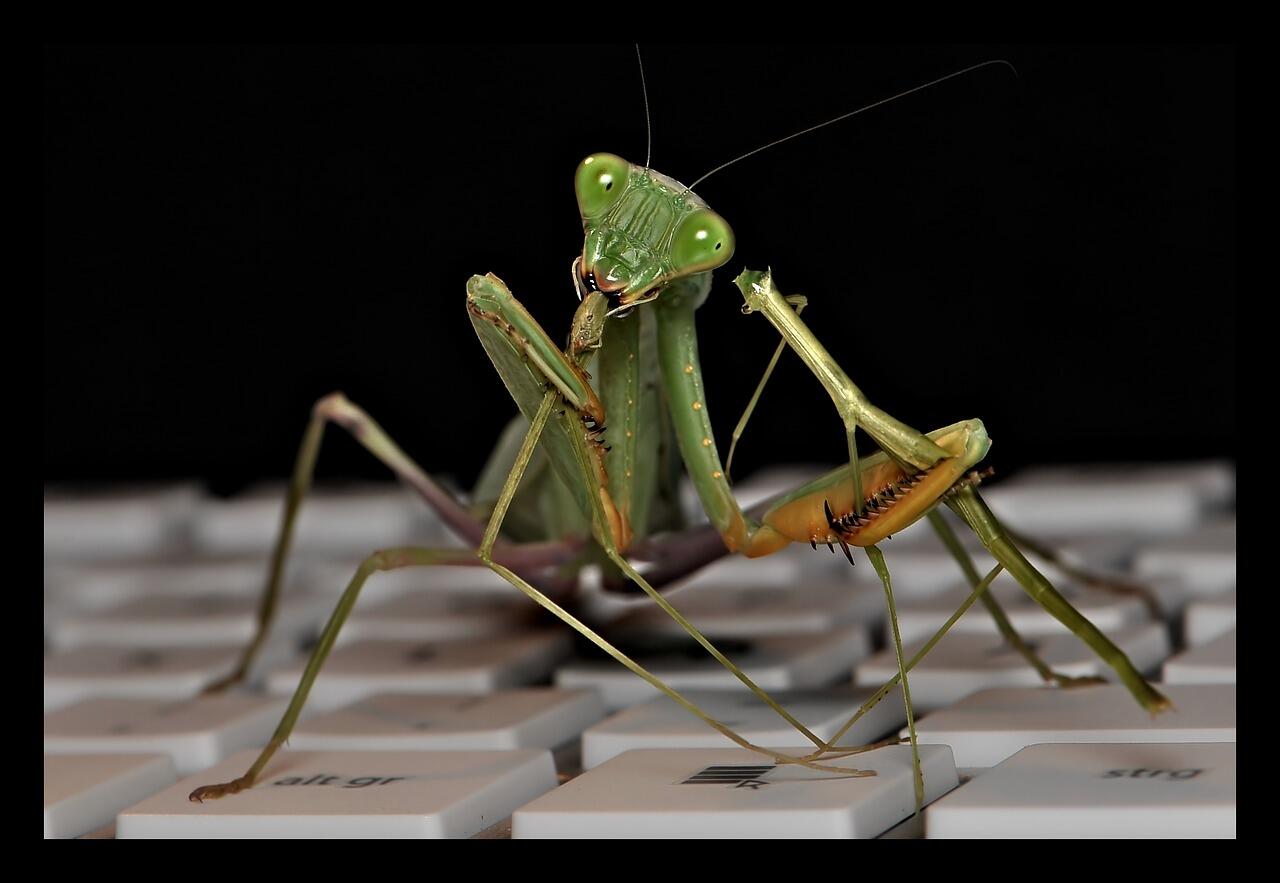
451, 708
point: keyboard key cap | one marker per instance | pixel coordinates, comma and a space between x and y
1211, 663
200, 620
1137, 498
116, 523
1131, 790
83, 793
1210, 618
469, 668
196, 734
919, 620
662, 723
534, 717
331, 794
169, 673
357, 519
734, 793
1205, 558
722, 610
791, 662
962, 664
440, 616
989, 726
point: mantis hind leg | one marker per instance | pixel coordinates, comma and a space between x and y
336, 408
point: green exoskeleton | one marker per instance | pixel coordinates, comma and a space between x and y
594, 457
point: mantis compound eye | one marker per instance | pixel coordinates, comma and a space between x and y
600, 182
702, 241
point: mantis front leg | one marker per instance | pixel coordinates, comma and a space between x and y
916, 450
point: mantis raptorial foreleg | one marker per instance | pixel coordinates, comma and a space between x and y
336, 408
911, 447
524, 356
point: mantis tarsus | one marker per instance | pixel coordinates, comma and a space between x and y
605, 415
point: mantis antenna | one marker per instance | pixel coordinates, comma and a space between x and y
648, 121
847, 115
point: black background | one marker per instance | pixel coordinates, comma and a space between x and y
231, 232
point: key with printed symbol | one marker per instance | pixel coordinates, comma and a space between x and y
918, 620
532, 717
737, 794
195, 733
990, 726
1100, 790
335, 520
350, 794
776, 662
1211, 663
1204, 558
168, 673
1210, 618
439, 616
116, 523
210, 619
734, 612
961, 664
483, 665
83, 793
1136, 498
662, 723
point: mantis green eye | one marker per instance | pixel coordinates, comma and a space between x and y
703, 241
601, 181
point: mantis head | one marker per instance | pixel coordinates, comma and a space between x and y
643, 230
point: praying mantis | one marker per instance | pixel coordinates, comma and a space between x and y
611, 417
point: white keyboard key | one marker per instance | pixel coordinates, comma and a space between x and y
83, 793
734, 612
118, 523
438, 616
920, 620
352, 794
1113, 550
989, 726
734, 793
1130, 790
1211, 663
534, 717
662, 723
196, 734
794, 565
201, 620
790, 662
108, 584
168, 673
353, 520
1210, 617
469, 668
962, 664
924, 568
1205, 558
1142, 499
333, 576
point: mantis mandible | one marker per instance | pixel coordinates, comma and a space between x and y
631, 362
